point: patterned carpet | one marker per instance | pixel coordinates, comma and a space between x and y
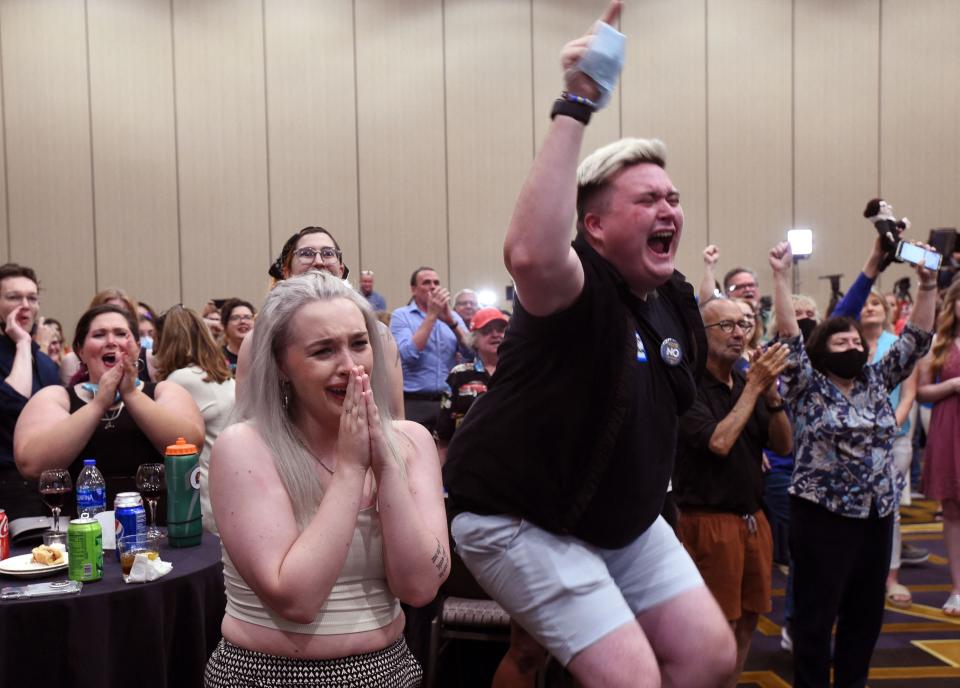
919, 647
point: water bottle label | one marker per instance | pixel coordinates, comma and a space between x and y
90, 498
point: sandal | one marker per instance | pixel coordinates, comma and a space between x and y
952, 606
898, 596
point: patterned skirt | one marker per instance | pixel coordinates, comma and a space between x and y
234, 667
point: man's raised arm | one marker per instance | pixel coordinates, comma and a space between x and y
537, 253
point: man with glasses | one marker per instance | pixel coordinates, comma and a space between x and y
718, 479
741, 283
24, 369
429, 334
465, 304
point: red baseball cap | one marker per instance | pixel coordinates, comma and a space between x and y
485, 316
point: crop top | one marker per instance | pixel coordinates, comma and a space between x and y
360, 600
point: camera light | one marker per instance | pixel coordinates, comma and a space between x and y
801, 242
486, 297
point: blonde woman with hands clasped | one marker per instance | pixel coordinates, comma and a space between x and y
330, 513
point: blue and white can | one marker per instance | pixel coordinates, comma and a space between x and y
130, 518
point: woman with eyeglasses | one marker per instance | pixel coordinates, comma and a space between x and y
314, 248
844, 488
188, 355
110, 414
237, 317
330, 512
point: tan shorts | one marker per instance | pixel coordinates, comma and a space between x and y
735, 563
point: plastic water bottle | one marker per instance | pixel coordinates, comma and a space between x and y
91, 489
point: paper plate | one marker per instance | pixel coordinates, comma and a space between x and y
22, 566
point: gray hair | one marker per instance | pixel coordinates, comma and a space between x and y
265, 408
598, 168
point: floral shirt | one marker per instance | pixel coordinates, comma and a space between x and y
843, 445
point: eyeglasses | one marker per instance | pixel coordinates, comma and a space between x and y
17, 297
742, 287
307, 255
492, 328
728, 325
240, 317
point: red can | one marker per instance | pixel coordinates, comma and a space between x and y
4, 535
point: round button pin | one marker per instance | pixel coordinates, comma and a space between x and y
670, 352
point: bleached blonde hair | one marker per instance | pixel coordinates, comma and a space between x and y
265, 406
598, 168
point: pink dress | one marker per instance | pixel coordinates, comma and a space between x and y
941, 460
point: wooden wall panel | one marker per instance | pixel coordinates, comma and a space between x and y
664, 96
749, 104
919, 122
311, 121
222, 151
134, 149
555, 23
489, 140
400, 130
836, 129
4, 232
46, 115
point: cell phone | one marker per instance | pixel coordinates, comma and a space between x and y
918, 255
64, 587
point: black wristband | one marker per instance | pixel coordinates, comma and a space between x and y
774, 409
577, 111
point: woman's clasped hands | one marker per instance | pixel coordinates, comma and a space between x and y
361, 444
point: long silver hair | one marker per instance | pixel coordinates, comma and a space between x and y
269, 402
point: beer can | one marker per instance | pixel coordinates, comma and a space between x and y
4, 535
129, 516
85, 545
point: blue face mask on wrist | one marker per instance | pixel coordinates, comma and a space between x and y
93, 388
603, 60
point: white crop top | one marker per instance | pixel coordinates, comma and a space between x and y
360, 600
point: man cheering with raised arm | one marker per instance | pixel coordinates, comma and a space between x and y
557, 475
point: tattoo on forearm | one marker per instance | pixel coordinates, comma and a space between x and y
440, 559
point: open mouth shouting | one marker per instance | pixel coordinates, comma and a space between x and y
109, 359
661, 240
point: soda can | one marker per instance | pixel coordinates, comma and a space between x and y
85, 544
4, 535
129, 516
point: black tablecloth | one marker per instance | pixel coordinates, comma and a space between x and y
116, 634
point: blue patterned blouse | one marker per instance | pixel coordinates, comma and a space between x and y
843, 444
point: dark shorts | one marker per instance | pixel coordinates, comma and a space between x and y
734, 562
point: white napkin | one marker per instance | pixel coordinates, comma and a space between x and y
107, 524
147, 569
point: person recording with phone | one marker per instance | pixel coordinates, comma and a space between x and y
843, 490
24, 369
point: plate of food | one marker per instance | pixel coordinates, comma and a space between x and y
42, 561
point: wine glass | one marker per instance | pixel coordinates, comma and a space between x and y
55, 485
150, 482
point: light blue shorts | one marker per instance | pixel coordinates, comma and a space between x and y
565, 593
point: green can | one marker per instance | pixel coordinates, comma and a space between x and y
85, 549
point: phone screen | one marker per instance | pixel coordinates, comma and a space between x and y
932, 260
910, 253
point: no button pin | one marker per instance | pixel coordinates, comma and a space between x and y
670, 352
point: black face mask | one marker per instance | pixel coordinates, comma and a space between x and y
846, 364
807, 326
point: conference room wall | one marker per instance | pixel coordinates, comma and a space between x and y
171, 147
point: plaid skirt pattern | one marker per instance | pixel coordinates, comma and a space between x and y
234, 667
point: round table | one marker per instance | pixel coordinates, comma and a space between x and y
117, 634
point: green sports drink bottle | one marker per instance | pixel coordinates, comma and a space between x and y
182, 468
